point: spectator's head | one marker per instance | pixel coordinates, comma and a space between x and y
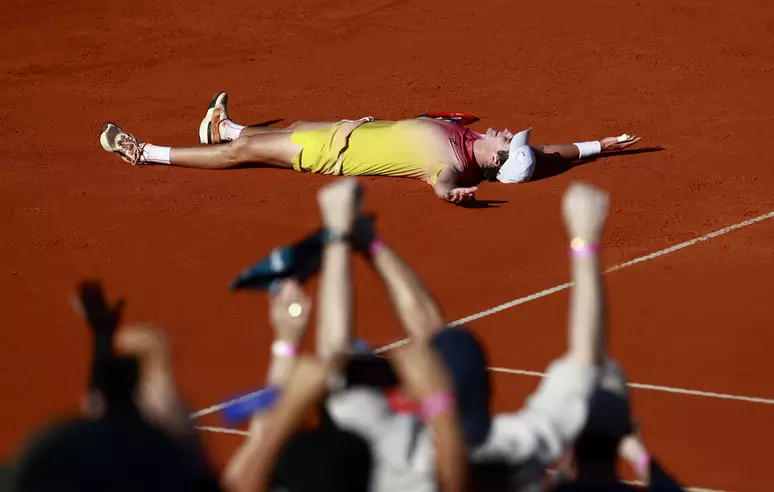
466, 363
119, 452
322, 460
608, 423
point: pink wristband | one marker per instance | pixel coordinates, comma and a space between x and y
643, 464
581, 249
435, 404
281, 348
376, 246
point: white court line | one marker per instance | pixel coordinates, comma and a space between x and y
222, 406
538, 295
223, 430
667, 389
637, 483
687, 489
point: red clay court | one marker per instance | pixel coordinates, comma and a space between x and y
692, 326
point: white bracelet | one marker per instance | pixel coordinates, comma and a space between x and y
588, 149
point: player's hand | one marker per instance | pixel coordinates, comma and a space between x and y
289, 312
611, 144
585, 210
340, 204
459, 195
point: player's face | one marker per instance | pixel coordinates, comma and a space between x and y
496, 141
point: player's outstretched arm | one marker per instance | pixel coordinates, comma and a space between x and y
418, 312
446, 187
583, 150
585, 210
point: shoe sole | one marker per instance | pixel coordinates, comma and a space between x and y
103, 139
205, 128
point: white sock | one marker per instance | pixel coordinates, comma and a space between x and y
155, 154
230, 130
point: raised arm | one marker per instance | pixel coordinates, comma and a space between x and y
157, 394
585, 211
446, 187
339, 206
305, 388
289, 311
556, 413
289, 315
424, 377
418, 312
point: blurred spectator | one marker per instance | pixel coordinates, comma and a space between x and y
525, 442
137, 442
331, 460
609, 432
275, 437
136, 434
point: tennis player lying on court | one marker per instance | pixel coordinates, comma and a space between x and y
450, 157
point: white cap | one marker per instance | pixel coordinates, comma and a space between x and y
521, 160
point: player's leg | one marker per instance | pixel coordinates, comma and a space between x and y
259, 130
298, 126
217, 127
272, 148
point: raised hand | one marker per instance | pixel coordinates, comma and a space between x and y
157, 395
147, 343
289, 311
90, 303
110, 381
340, 204
585, 211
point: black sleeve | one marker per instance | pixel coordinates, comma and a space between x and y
660, 480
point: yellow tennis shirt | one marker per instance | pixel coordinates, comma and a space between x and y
417, 148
